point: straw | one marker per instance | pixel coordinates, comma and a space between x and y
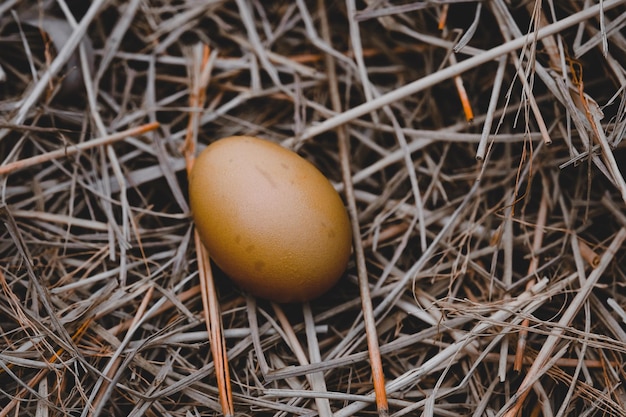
487, 271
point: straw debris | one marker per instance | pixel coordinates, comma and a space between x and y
478, 146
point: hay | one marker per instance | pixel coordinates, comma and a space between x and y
478, 145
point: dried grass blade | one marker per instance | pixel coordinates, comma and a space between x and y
594, 115
114, 40
104, 392
316, 380
493, 103
213, 320
74, 149
449, 72
378, 376
532, 269
78, 334
555, 336
201, 66
63, 55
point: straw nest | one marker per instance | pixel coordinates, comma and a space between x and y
477, 144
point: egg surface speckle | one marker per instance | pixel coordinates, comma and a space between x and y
269, 219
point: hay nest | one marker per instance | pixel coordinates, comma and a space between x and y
479, 145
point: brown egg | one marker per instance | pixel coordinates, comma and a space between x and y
269, 219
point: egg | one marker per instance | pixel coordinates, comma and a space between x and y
269, 219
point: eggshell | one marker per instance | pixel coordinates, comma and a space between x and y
269, 219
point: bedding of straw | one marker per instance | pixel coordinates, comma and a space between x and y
477, 145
